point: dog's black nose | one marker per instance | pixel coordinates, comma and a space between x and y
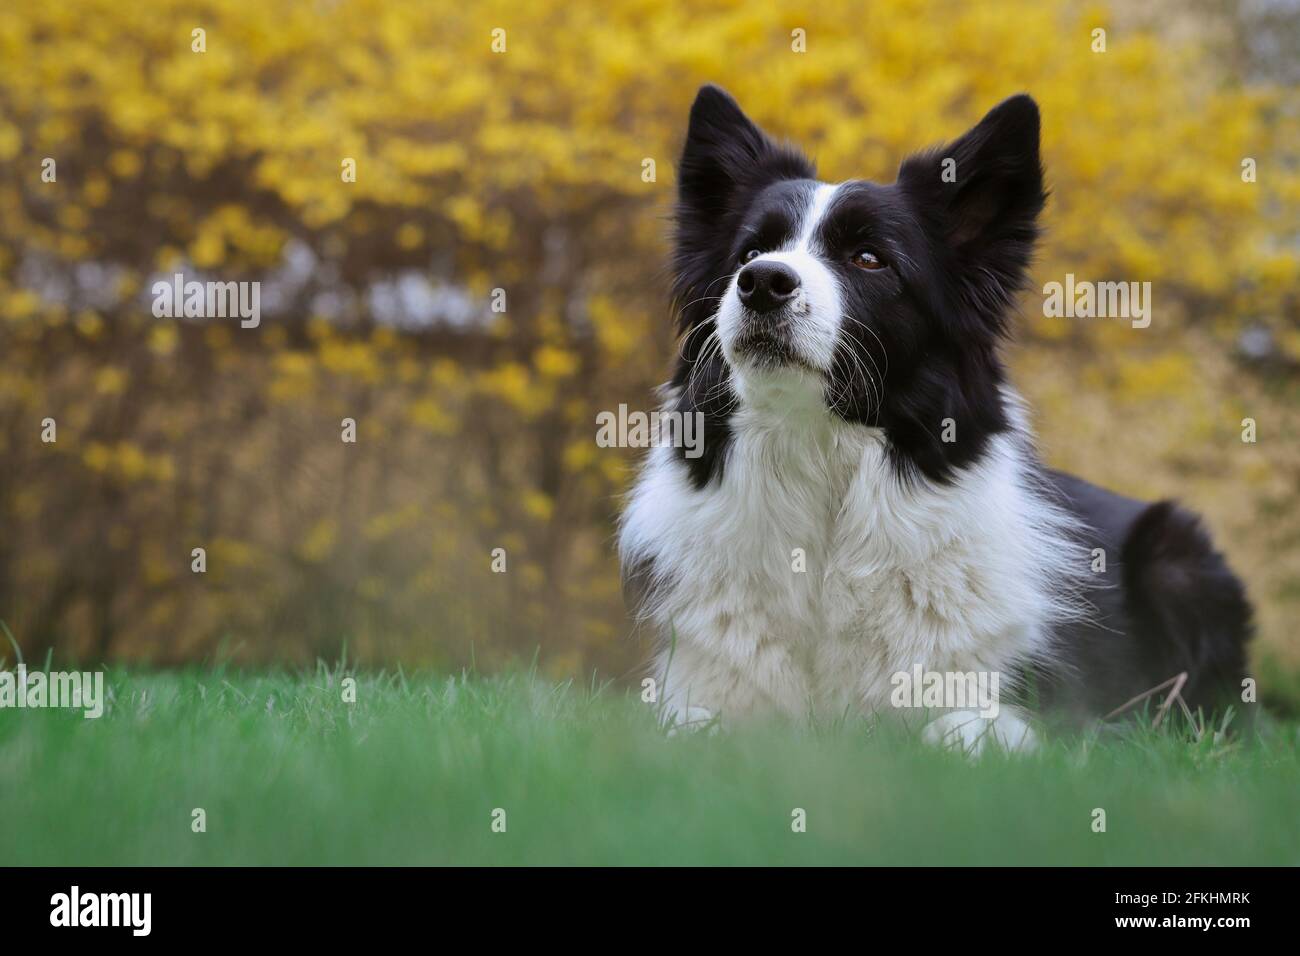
766, 285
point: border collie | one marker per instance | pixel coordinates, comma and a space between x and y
869, 500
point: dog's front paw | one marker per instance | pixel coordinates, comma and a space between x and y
968, 731
691, 719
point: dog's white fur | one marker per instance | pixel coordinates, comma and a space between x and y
815, 314
963, 577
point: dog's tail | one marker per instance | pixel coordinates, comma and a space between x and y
1190, 612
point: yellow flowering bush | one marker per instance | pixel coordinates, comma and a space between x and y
458, 212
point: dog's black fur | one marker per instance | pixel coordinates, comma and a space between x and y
1169, 605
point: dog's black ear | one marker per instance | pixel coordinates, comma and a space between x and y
725, 155
981, 196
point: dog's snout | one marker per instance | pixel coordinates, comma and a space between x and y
766, 285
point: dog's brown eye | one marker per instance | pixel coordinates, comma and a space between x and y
866, 260
750, 255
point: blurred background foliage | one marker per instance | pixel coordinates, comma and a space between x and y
522, 171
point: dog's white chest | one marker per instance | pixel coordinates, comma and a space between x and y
811, 573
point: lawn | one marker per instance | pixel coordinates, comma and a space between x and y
287, 772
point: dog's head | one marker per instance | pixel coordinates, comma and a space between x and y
885, 303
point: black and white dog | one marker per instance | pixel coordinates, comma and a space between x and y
868, 498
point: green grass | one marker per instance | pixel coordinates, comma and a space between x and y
410, 774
